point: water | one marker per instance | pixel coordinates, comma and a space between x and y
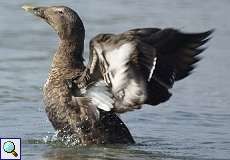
194, 124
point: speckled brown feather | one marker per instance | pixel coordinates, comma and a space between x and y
72, 114
176, 54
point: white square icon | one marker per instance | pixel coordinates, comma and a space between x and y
10, 149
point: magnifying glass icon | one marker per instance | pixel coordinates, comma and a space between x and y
9, 147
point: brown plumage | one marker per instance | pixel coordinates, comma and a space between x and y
125, 71
168, 53
70, 112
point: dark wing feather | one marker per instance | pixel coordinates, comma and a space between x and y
174, 49
176, 54
180, 50
162, 56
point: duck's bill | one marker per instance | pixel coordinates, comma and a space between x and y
37, 11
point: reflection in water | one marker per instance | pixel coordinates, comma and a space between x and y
54, 149
100, 153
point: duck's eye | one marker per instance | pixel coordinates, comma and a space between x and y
60, 12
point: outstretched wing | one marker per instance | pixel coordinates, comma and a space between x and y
157, 57
176, 55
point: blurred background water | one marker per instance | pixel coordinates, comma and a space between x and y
194, 124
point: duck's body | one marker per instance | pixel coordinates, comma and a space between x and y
74, 116
125, 71
77, 119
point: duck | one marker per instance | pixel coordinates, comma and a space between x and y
124, 72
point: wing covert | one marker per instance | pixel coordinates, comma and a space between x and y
155, 60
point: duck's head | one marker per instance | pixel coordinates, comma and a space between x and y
63, 20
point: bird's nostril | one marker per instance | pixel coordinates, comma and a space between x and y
35, 9
39, 11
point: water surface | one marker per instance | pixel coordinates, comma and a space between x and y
194, 124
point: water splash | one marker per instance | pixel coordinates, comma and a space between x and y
67, 141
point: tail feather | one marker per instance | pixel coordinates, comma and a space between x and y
115, 130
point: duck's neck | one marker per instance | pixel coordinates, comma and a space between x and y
69, 54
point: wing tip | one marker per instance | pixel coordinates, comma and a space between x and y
200, 37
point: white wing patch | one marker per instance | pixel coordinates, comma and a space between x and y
153, 68
134, 92
118, 65
100, 95
126, 84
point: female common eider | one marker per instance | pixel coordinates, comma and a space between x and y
125, 71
